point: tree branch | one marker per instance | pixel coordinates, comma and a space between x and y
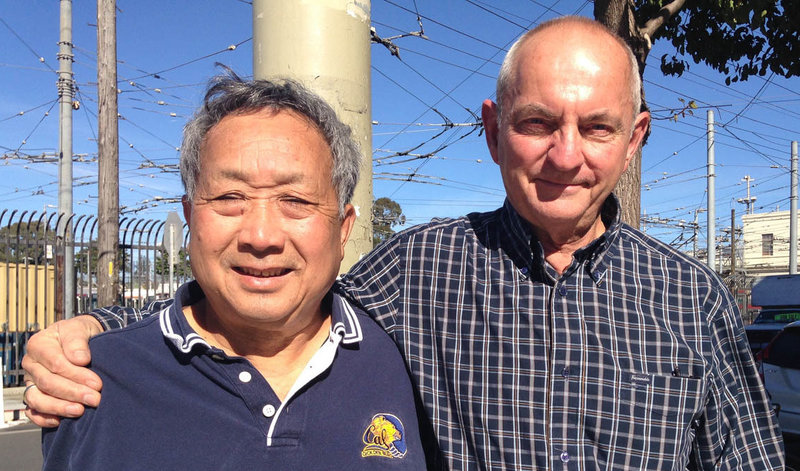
665, 13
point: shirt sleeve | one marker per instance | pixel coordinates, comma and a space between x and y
373, 284
117, 317
739, 428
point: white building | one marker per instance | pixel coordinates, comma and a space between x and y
766, 243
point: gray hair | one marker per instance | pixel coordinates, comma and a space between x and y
504, 77
228, 94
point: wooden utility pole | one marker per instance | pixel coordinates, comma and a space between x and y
108, 154
325, 44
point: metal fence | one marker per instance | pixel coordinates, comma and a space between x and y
32, 272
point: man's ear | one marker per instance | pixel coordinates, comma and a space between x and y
490, 126
640, 125
187, 210
348, 221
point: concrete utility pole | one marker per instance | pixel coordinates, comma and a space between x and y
712, 229
107, 154
793, 214
66, 94
325, 44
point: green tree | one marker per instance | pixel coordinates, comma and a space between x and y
386, 214
23, 241
182, 266
738, 38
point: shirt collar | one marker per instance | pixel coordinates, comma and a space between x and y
524, 248
344, 320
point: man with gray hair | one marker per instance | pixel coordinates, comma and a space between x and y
549, 335
256, 364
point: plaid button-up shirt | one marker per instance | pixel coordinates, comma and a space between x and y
634, 358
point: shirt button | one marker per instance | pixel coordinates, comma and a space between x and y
245, 376
564, 457
562, 290
268, 410
565, 372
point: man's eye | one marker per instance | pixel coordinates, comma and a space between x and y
296, 208
297, 201
600, 129
228, 204
532, 125
229, 197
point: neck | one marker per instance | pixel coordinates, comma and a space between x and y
279, 355
560, 246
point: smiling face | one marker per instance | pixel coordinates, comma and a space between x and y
567, 130
266, 234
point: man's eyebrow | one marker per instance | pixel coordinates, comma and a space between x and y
284, 177
532, 109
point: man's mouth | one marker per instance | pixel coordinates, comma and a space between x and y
266, 273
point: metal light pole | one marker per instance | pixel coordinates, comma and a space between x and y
793, 214
66, 93
712, 230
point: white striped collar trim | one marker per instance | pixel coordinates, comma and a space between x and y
184, 344
344, 321
344, 324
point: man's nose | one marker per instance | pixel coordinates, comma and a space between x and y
565, 151
262, 227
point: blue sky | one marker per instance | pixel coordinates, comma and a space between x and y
443, 78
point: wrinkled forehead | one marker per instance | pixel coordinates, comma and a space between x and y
267, 140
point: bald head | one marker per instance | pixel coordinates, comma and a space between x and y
569, 27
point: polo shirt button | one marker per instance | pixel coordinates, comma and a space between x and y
245, 376
562, 290
565, 372
564, 457
268, 410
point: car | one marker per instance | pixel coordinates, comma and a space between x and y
769, 322
780, 369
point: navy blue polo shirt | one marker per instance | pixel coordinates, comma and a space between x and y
188, 405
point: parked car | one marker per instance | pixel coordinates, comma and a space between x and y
780, 367
769, 322
779, 298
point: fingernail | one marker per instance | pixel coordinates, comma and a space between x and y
52, 422
90, 400
93, 384
73, 410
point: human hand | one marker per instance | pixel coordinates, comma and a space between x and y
55, 364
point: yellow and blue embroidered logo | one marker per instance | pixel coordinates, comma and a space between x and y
385, 436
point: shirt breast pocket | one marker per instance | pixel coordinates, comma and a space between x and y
653, 427
662, 397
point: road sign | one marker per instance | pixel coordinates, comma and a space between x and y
173, 241
173, 236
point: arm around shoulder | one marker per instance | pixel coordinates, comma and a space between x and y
55, 362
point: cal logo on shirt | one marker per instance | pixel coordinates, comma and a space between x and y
385, 436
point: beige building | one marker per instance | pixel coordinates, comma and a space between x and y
766, 243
